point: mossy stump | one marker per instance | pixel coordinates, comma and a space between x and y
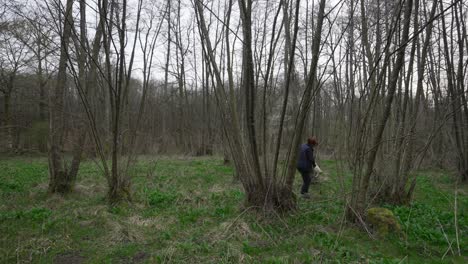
383, 221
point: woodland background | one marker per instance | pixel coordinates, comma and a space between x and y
381, 84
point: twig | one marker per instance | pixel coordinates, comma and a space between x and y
362, 222
407, 224
281, 220
446, 239
340, 232
448, 249
18, 252
268, 235
455, 218
243, 212
403, 259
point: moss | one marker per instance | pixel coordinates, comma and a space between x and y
383, 221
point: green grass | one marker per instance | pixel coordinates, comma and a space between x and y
189, 211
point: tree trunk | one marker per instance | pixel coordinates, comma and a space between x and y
59, 178
7, 118
248, 85
312, 87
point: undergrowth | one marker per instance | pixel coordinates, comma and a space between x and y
188, 210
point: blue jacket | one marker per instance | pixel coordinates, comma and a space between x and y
306, 161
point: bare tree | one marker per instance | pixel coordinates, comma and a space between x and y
264, 190
359, 198
455, 85
13, 57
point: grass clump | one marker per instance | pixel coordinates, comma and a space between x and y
161, 199
34, 214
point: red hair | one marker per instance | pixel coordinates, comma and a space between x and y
312, 141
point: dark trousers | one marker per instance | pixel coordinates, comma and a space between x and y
307, 179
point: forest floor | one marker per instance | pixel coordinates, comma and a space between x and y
189, 210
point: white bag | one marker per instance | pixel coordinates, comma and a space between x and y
317, 169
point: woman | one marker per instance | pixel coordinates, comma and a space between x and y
306, 164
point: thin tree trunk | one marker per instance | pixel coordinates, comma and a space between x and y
312, 86
248, 84
59, 178
398, 193
7, 117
